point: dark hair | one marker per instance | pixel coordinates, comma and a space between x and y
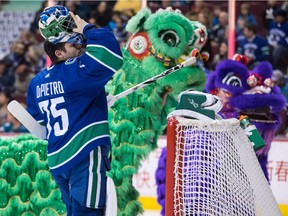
251, 27
3, 62
6, 91
50, 49
280, 12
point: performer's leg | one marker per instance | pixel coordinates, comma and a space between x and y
263, 160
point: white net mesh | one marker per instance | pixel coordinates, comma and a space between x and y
217, 172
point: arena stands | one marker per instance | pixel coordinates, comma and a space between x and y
18, 18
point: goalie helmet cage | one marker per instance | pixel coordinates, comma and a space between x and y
212, 169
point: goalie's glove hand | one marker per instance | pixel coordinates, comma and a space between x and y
80, 23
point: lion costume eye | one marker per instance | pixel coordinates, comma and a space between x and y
139, 44
232, 80
268, 82
169, 37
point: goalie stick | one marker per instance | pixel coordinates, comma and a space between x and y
22, 115
111, 198
111, 99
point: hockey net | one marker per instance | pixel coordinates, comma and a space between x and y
212, 170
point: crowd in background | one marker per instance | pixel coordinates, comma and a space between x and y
259, 38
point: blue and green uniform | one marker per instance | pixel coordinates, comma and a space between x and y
69, 98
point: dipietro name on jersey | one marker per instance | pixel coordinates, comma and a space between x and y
50, 88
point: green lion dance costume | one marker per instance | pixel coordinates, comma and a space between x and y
137, 120
159, 41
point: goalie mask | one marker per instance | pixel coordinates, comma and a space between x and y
56, 25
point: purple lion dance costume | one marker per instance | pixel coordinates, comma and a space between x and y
253, 94
262, 102
242, 92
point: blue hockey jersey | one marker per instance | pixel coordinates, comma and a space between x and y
278, 34
258, 48
69, 98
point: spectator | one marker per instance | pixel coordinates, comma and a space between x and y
23, 75
198, 6
204, 19
215, 18
27, 38
241, 22
5, 98
12, 125
277, 39
117, 25
16, 55
114, 17
268, 16
246, 14
219, 32
36, 58
222, 55
279, 80
7, 79
254, 46
102, 14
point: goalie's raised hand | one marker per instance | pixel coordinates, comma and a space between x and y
80, 23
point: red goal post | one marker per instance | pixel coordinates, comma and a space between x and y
212, 169
170, 153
